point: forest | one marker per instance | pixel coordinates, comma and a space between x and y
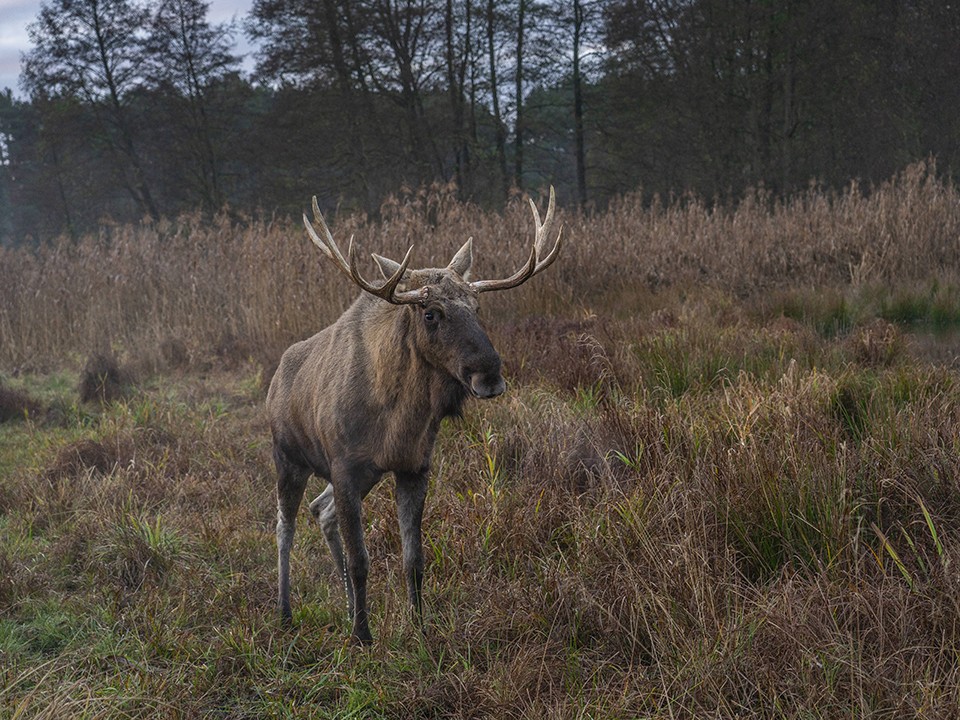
137, 111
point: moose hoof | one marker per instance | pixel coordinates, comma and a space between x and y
362, 639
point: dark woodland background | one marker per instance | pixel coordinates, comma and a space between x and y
137, 111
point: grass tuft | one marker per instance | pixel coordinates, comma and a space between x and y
103, 380
18, 405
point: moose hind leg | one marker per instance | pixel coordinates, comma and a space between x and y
411, 492
324, 509
291, 482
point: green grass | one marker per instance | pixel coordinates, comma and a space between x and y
932, 305
936, 306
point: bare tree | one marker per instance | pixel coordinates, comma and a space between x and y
457, 58
187, 57
410, 34
93, 49
518, 85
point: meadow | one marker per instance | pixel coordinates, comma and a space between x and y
723, 482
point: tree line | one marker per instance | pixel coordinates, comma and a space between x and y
141, 110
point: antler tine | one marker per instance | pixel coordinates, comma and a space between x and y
544, 227
519, 277
554, 254
535, 264
387, 291
317, 240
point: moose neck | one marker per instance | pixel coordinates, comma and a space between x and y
403, 373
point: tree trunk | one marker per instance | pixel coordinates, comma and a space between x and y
462, 75
518, 128
473, 83
455, 90
578, 104
137, 185
789, 124
501, 139
371, 200
348, 94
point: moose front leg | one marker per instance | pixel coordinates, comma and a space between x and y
411, 492
349, 489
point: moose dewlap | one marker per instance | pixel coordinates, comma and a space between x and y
366, 395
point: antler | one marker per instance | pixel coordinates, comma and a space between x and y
534, 265
387, 291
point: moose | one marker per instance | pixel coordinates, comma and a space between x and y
365, 397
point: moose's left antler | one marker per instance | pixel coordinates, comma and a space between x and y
535, 264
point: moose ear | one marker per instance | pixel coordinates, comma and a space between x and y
463, 260
387, 266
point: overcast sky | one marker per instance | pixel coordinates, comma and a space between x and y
15, 15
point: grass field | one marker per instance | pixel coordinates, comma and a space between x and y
723, 481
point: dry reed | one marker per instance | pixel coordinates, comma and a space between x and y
258, 285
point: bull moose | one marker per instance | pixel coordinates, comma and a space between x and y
366, 395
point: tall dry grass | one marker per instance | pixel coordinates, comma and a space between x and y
710, 518
256, 286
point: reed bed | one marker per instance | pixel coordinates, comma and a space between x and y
258, 285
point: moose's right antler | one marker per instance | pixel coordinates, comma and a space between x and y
534, 265
387, 291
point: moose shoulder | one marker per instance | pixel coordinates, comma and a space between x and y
366, 395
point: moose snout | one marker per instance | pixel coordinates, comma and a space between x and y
480, 369
486, 386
